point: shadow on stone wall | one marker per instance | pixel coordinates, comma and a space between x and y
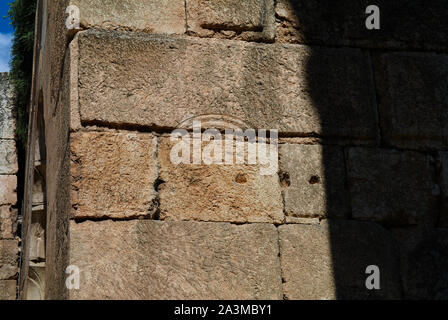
387, 209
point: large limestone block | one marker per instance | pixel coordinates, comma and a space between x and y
158, 16
424, 261
7, 118
403, 24
144, 259
329, 261
8, 222
9, 254
247, 20
395, 187
113, 174
8, 157
8, 186
217, 192
159, 81
8, 290
314, 181
413, 99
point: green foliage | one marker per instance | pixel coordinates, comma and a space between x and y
22, 15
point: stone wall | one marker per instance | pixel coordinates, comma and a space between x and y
362, 176
9, 246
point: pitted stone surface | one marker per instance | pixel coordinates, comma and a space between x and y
246, 20
7, 119
403, 24
143, 259
113, 174
315, 185
395, 187
329, 261
8, 157
167, 80
217, 192
8, 290
8, 187
158, 16
413, 99
9, 254
8, 222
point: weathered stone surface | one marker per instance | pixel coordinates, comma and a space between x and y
113, 174
144, 259
158, 16
413, 99
424, 259
8, 186
329, 261
247, 20
8, 222
443, 221
9, 253
404, 24
137, 79
8, 157
8, 290
7, 119
314, 184
217, 192
395, 187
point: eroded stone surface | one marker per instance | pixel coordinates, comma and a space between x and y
217, 192
329, 261
395, 187
246, 20
314, 185
8, 186
158, 16
9, 253
167, 80
424, 257
413, 99
8, 222
344, 23
113, 174
7, 119
8, 157
8, 290
143, 259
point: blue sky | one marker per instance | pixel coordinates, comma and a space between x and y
6, 33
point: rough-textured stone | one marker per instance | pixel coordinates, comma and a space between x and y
8, 157
395, 187
404, 24
8, 222
8, 290
443, 220
143, 259
158, 16
424, 259
7, 118
217, 192
137, 79
9, 253
8, 186
314, 181
413, 99
329, 261
113, 174
247, 20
